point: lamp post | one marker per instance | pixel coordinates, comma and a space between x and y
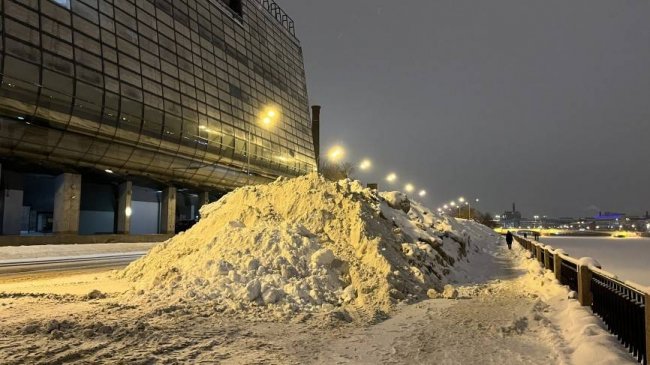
469, 209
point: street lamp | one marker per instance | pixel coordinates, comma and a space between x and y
422, 193
335, 153
469, 208
392, 177
365, 164
409, 188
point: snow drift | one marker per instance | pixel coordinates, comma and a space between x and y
304, 244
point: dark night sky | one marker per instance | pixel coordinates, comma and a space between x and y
543, 103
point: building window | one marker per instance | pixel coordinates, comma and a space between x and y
64, 3
236, 6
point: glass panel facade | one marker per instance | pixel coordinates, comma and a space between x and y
169, 90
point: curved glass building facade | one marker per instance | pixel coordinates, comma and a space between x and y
191, 93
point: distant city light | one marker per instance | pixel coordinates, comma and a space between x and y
461, 199
335, 153
446, 206
391, 177
409, 188
365, 164
422, 193
453, 204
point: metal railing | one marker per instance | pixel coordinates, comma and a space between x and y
622, 306
569, 274
279, 15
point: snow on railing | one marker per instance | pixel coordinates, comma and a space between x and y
621, 305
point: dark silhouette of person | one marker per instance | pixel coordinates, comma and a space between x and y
509, 238
525, 235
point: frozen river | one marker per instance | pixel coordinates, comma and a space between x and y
628, 258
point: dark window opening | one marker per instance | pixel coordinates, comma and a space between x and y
236, 6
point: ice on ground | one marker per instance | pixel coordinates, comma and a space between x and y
306, 244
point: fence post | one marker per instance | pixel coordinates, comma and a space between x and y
647, 325
584, 285
540, 253
547, 259
557, 263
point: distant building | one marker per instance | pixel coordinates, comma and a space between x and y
511, 219
127, 116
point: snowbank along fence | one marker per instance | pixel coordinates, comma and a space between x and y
623, 306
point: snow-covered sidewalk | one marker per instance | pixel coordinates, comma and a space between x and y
518, 315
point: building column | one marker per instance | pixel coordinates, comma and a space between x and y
168, 211
204, 198
67, 199
11, 203
124, 209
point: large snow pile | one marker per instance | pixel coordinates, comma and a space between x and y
304, 244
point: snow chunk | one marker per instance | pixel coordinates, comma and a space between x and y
397, 200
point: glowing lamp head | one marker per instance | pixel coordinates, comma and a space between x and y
365, 164
446, 206
453, 204
422, 193
391, 177
409, 188
335, 153
461, 199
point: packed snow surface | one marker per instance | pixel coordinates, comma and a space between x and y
305, 244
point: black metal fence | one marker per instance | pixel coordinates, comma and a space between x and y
569, 274
622, 308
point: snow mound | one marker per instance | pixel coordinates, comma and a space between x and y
304, 244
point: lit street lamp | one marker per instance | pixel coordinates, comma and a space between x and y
365, 164
422, 193
391, 178
409, 188
335, 153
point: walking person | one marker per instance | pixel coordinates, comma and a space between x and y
509, 238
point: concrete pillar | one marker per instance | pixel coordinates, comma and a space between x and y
168, 211
557, 262
204, 198
124, 209
584, 285
11, 203
67, 199
547, 259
